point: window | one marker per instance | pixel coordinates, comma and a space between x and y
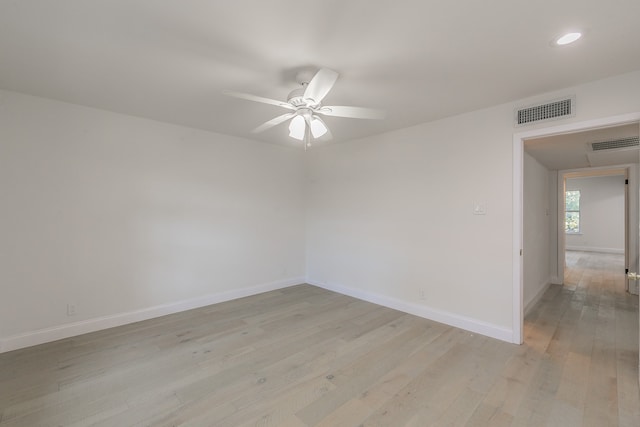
572, 211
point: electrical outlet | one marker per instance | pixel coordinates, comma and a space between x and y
71, 309
479, 209
422, 294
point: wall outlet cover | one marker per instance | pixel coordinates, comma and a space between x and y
479, 209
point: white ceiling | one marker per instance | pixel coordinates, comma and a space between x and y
418, 60
574, 151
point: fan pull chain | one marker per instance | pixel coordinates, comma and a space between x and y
307, 137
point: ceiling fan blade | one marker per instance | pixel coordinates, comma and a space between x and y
273, 122
320, 85
351, 112
255, 98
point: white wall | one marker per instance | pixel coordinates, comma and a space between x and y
536, 225
601, 214
118, 214
391, 215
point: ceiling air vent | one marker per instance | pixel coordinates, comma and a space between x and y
558, 109
633, 141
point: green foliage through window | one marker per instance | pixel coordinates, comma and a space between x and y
572, 211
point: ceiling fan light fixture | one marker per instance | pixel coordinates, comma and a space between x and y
306, 107
317, 127
297, 128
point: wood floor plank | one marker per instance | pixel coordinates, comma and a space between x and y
487, 415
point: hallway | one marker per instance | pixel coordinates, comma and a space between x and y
588, 331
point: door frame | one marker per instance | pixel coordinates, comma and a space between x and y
625, 170
518, 212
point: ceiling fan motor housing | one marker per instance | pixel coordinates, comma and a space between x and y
296, 97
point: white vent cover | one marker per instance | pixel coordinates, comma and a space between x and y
633, 141
553, 110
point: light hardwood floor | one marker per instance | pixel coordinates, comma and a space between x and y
304, 356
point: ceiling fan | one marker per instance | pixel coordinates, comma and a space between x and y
306, 107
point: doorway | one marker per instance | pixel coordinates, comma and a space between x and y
594, 217
518, 179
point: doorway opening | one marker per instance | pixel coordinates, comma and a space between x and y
556, 246
594, 218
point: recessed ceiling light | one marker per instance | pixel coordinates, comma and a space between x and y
568, 38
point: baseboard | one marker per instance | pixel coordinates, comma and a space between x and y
462, 322
594, 249
537, 297
555, 280
55, 333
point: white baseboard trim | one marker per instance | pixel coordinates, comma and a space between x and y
537, 297
67, 330
462, 322
555, 280
594, 249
